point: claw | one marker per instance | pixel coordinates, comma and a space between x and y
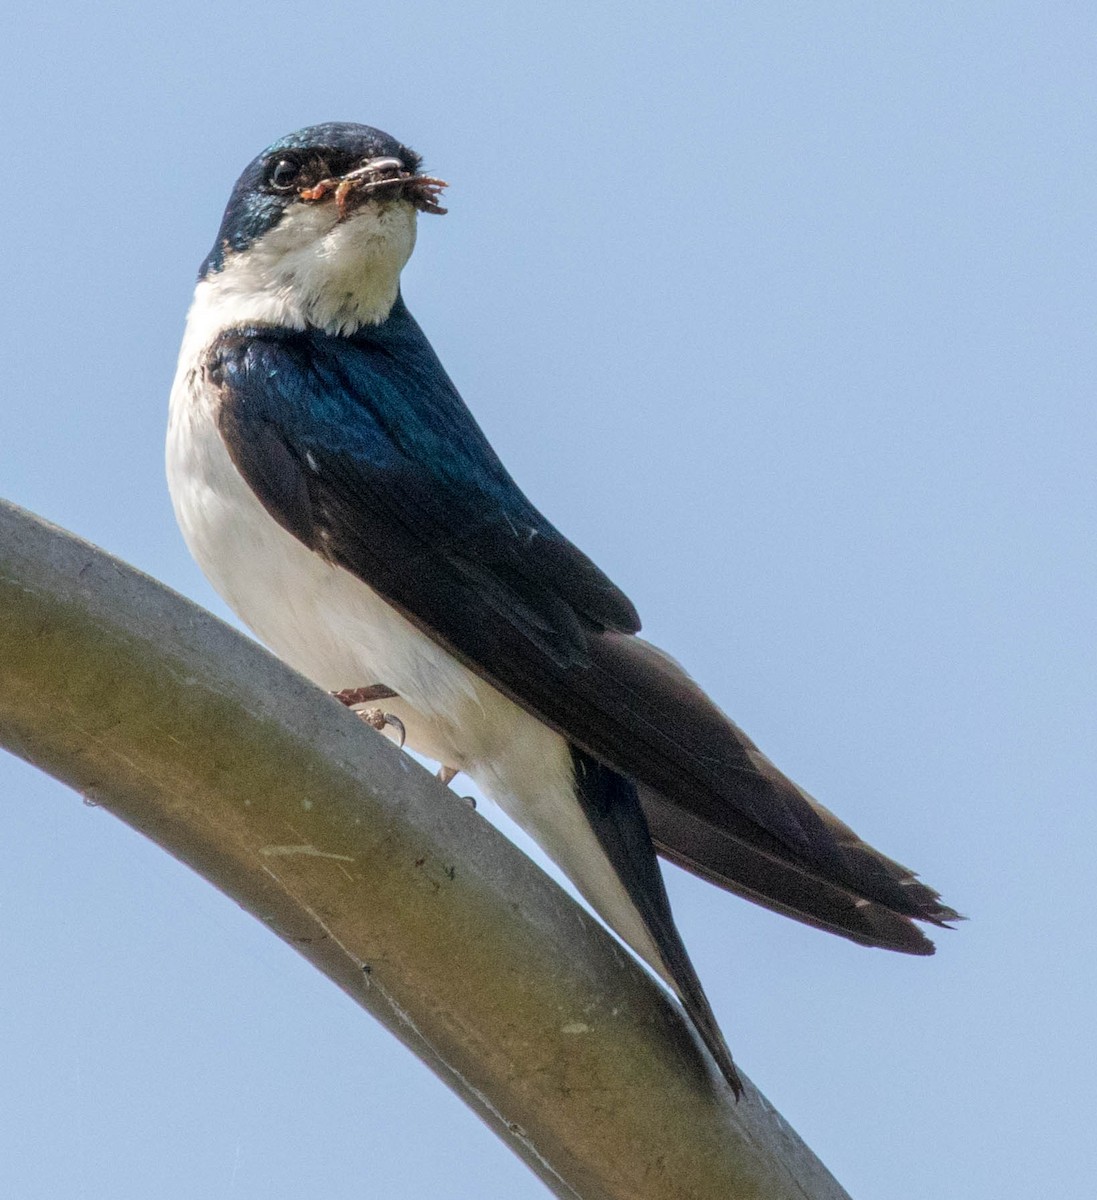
396, 723
376, 719
448, 774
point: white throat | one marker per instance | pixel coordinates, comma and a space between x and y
311, 269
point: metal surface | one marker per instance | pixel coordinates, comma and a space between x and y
379, 875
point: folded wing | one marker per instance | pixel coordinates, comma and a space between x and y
362, 448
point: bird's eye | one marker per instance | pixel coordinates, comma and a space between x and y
284, 174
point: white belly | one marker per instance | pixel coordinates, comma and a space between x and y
339, 633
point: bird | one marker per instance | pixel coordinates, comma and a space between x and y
337, 492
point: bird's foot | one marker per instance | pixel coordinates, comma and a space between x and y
373, 717
376, 719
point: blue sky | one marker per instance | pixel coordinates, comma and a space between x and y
784, 313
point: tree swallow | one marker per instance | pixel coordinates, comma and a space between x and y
339, 495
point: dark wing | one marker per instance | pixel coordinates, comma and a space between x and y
361, 447
363, 450
709, 806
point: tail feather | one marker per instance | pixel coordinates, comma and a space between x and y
612, 807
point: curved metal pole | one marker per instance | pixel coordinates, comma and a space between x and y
376, 873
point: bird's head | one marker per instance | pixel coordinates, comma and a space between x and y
319, 227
